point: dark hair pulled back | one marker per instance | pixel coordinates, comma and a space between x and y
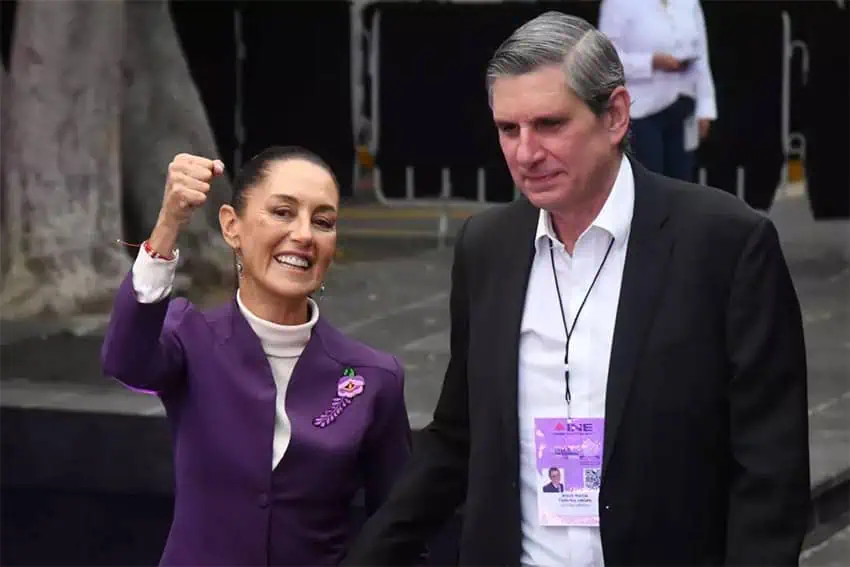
254, 171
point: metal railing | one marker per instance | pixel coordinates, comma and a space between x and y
447, 202
793, 143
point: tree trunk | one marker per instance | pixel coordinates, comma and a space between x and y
163, 115
4, 213
62, 177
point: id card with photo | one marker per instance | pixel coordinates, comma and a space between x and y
569, 470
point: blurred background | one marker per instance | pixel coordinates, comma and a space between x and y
98, 96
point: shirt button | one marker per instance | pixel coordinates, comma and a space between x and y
263, 500
513, 484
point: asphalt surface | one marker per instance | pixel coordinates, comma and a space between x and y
833, 552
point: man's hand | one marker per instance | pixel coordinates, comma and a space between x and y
704, 125
666, 62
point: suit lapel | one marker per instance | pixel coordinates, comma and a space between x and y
650, 245
253, 386
513, 268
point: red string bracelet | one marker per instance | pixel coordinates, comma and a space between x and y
149, 249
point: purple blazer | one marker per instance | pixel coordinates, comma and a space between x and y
211, 373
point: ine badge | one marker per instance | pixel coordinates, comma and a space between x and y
569, 464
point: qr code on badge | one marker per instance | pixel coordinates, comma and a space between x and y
592, 479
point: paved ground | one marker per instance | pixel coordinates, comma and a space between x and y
834, 552
391, 290
819, 257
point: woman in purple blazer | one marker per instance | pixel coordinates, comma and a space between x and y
277, 418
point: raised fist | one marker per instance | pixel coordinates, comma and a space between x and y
186, 187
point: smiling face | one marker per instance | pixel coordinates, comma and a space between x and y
285, 234
553, 143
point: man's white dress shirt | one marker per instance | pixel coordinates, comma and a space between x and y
541, 388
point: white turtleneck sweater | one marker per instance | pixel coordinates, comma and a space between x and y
153, 280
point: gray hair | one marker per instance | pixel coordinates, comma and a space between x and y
591, 66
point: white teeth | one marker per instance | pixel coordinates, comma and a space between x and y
291, 260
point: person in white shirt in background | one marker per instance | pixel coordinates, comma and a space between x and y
664, 48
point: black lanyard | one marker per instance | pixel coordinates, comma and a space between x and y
567, 330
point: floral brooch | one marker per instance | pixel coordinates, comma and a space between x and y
350, 386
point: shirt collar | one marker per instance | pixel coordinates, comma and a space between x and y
281, 341
615, 218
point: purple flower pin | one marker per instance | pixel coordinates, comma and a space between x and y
350, 386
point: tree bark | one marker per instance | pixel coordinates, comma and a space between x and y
4, 216
163, 115
62, 177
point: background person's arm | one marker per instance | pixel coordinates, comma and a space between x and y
706, 103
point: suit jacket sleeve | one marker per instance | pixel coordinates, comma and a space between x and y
388, 444
434, 484
769, 497
141, 348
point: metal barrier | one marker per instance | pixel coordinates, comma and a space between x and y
446, 204
740, 180
238, 106
792, 142
358, 89
824, 110
446, 198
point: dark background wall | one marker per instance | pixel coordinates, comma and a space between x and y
433, 113
429, 126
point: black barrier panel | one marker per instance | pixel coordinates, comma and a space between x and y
428, 181
747, 70
8, 9
426, 124
206, 34
798, 13
433, 107
297, 79
827, 110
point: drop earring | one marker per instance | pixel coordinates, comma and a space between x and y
239, 267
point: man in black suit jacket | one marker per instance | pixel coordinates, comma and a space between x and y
687, 343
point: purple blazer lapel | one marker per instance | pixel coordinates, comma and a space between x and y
316, 357
315, 378
313, 387
245, 344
